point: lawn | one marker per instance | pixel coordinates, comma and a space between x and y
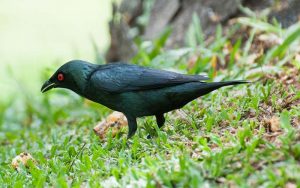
241, 136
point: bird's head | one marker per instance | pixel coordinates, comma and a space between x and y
73, 75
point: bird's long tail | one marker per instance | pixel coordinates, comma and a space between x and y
228, 83
211, 86
185, 93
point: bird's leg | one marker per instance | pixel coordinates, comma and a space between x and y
160, 120
132, 126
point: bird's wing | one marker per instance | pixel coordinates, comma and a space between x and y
119, 77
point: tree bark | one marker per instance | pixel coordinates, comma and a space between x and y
178, 14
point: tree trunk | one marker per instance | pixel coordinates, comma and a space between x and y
178, 14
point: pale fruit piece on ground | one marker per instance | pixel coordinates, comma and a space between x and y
21, 158
114, 121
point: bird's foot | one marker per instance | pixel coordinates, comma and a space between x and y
149, 136
152, 135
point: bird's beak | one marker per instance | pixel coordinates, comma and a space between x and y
47, 86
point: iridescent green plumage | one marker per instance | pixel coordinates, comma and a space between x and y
133, 90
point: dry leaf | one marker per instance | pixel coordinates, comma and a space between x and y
297, 57
114, 121
272, 124
214, 17
22, 158
270, 39
214, 60
290, 185
275, 124
192, 62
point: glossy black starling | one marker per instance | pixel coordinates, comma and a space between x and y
133, 90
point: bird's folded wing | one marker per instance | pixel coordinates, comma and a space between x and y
119, 78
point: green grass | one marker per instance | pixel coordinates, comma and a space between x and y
220, 140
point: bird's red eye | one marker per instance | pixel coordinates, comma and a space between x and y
60, 77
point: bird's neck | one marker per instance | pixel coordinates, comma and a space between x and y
81, 83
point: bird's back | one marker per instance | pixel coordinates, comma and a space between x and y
120, 77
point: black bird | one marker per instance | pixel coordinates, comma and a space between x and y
133, 90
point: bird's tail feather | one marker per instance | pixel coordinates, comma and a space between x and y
228, 83
208, 87
188, 92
